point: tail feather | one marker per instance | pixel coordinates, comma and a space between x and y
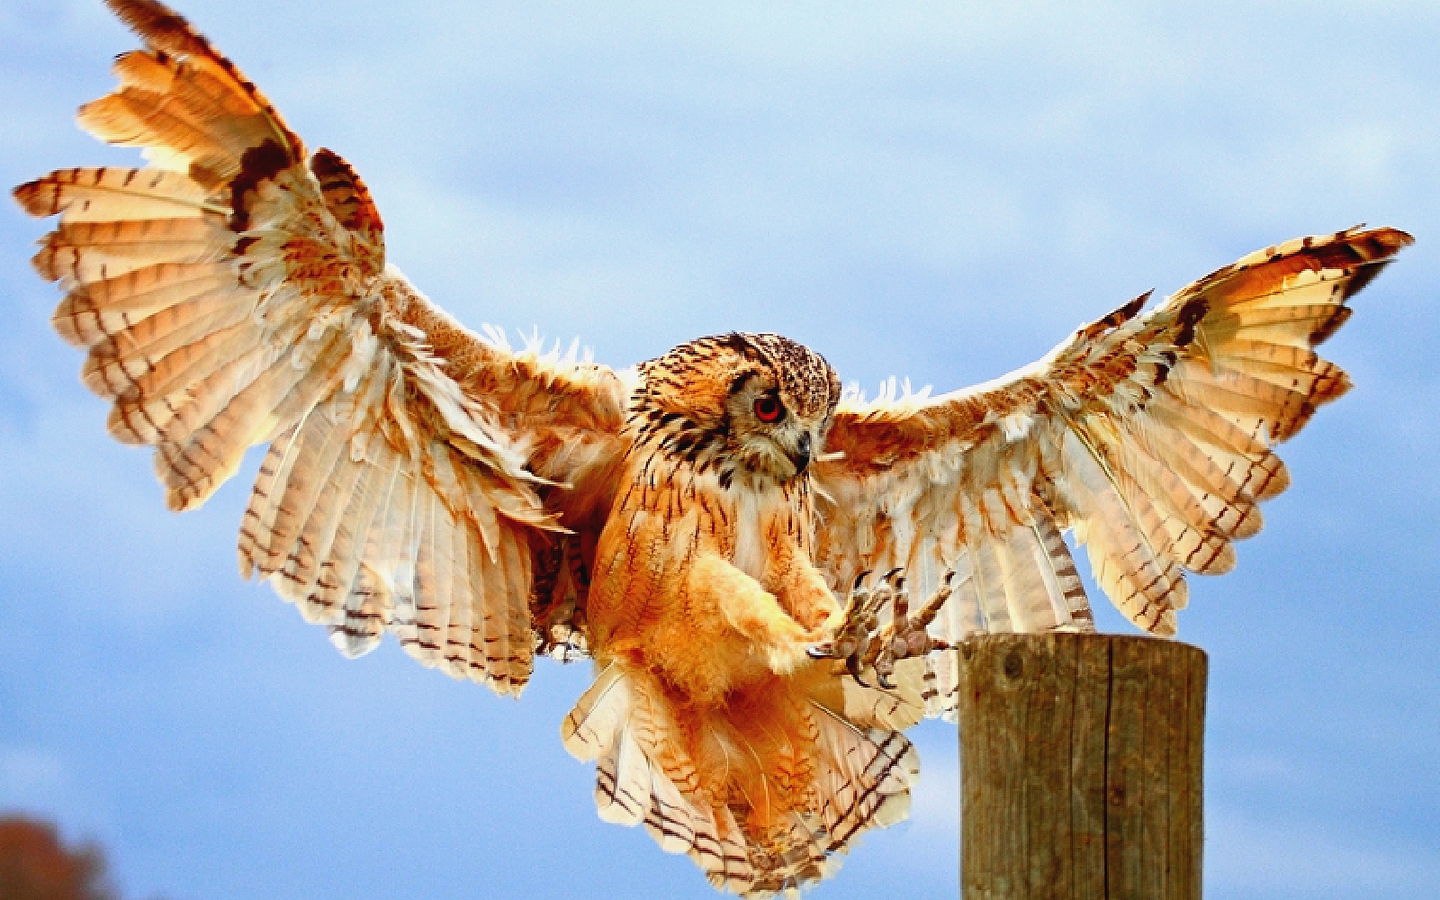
778, 815
868, 774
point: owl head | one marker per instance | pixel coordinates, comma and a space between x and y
741, 404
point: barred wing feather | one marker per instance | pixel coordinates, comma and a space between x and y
235, 292
1151, 436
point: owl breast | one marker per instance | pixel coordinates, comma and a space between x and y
753, 510
677, 553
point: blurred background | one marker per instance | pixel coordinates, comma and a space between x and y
933, 190
36, 865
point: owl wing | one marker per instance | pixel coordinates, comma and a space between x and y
1149, 435
234, 292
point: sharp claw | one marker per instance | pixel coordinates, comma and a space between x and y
852, 665
818, 651
862, 643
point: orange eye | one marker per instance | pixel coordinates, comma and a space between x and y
768, 409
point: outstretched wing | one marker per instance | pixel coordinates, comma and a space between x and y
1151, 436
234, 292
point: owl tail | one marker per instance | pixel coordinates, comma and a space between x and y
764, 793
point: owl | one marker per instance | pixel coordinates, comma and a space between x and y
771, 576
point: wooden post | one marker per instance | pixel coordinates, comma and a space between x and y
1080, 762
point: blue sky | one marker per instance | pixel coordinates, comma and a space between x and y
933, 190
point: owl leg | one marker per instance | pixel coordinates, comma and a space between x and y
751, 611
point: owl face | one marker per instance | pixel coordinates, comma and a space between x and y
768, 433
744, 404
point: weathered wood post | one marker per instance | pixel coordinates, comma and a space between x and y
1080, 760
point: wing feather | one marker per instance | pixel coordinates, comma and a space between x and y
1149, 436
235, 292
405, 617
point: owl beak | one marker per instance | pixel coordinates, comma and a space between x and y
801, 456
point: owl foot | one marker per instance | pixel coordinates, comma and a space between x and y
858, 620
905, 636
861, 643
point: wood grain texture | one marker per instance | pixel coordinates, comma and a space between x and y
1081, 765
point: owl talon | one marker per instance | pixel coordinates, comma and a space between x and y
859, 640
905, 637
862, 643
853, 666
824, 650
854, 632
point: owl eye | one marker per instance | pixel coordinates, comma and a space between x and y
768, 409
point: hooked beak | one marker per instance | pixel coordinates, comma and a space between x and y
801, 456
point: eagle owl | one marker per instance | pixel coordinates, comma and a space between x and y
733, 540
